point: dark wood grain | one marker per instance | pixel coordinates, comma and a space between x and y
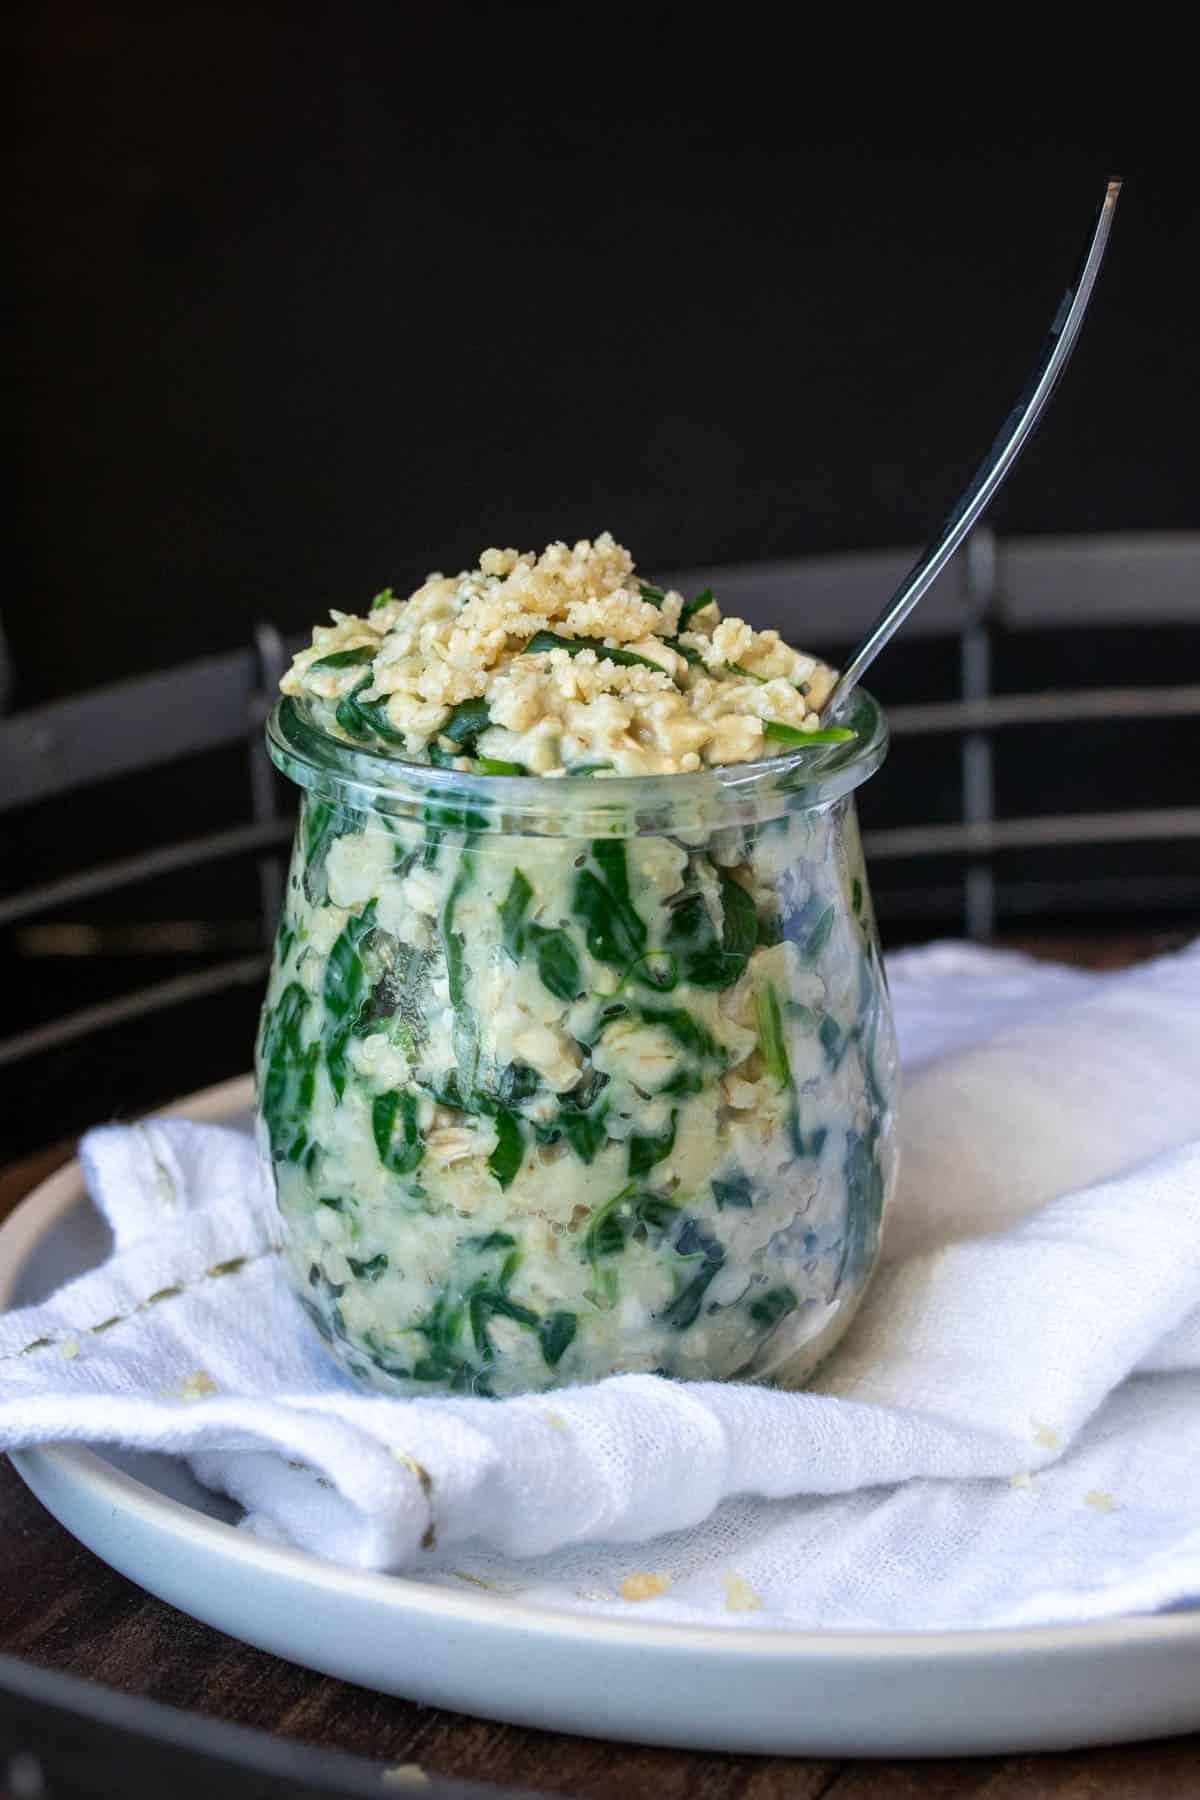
61, 1608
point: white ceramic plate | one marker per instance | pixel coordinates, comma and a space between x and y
798, 1693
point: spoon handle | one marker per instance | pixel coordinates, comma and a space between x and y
994, 468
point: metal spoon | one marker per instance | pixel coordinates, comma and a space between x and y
992, 471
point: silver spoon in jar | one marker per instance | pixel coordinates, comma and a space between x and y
989, 477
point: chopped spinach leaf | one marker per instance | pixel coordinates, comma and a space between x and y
654, 595
864, 1203
550, 640
321, 823
808, 1146
512, 913
685, 650
287, 1075
453, 948
693, 1245
772, 1306
585, 1133
613, 1224
490, 765
609, 856
371, 1269
770, 931
705, 960
361, 718
581, 1117
810, 928
833, 1043
692, 607
770, 1035
687, 1031
403, 1157
466, 1026
646, 1151
517, 1082
792, 735
557, 963
739, 932
613, 928
735, 1190
657, 969
465, 723
442, 1361
343, 659
684, 1081
486, 1304
554, 953
556, 1334
505, 1159
344, 992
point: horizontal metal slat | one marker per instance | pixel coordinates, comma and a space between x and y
175, 992
1105, 579
169, 860
129, 726
1061, 707
1054, 830
1110, 579
1097, 894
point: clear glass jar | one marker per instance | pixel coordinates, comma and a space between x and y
562, 1077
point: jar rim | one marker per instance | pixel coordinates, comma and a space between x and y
807, 778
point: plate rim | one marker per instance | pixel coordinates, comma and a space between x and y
409, 1596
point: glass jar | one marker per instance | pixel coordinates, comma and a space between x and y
561, 1077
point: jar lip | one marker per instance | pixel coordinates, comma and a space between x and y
366, 780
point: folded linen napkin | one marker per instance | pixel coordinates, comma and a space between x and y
1009, 1435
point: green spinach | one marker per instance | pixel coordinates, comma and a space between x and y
465, 723
287, 1075
696, 1247
614, 929
645, 1152
797, 739
343, 659
736, 1189
344, 992
771, 1041
692, 607
706, 960
556, 1334
363, 719
550, 640
403, 1157
772, 1306
505, 1159
369, 1270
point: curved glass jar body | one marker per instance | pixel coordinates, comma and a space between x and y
562, 1078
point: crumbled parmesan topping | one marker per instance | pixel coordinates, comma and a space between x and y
456, 675
644, 1584
197, 1387
740, 1597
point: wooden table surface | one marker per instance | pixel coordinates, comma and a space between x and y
63, 1609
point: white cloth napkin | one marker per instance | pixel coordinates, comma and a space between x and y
1010, 1434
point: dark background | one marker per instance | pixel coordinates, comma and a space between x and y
313, 299
316, 298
